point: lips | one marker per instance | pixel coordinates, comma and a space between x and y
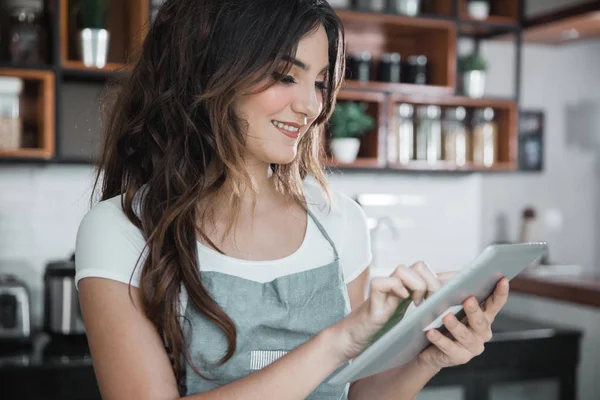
289, 129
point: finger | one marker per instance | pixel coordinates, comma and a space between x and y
496, 301
444, 277
413, 281
428, 275
463, 335
477, 319
381, 288
454, 353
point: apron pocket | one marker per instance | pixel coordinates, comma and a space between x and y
261, 358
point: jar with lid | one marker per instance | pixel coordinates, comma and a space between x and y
389, 67
416, 70
456, 138
401, 141
361, 66
26, 36
10, 112
428, 138
371, 5
485, 137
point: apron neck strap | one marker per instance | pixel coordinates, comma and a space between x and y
323, 232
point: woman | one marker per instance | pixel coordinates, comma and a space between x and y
210, 268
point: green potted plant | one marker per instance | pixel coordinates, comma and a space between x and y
93, 38
348, 123
473, 68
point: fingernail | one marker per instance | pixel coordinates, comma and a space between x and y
472, 304
404, 293
504, 287
451, 321
433, 334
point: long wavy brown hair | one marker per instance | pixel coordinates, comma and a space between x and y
172, 135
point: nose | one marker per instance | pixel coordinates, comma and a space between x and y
308, 101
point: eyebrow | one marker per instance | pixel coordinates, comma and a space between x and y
302, 65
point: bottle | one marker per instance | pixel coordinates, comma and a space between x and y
26, 35
456, 139
10, 112
485, 131
428, 137
401, 143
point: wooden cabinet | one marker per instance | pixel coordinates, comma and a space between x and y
37, 114
57, 95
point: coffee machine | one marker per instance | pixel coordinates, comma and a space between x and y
15, 309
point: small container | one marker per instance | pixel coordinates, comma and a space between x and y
361, 66
371, 5
428, 138
416, 70
339, 3
406, 7
26, 37
456, 139
10, 112
485, 141
401, 144
389, 68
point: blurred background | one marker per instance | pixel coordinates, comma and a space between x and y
461, 123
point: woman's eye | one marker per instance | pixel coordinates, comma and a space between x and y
288, 79
321, 85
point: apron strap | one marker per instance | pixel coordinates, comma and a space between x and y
324, 233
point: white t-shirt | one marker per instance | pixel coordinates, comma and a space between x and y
109, 245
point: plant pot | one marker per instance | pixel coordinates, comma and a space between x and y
93, 47
478, 9
345, 149
406, 7
474, 83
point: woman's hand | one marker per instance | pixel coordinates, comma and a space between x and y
358, 328
469, 340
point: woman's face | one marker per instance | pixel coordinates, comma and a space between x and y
278, 116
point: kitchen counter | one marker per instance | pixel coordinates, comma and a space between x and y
581, 289
47, 368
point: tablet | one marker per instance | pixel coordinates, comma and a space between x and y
405, 340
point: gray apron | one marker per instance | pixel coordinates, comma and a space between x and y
271, 319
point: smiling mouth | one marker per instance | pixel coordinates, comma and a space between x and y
288, 130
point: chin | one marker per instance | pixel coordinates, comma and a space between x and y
282, 157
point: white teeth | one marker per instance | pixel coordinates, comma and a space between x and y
284, 126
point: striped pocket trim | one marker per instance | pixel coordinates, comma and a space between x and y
261, 358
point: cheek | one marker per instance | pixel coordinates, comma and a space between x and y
270, 102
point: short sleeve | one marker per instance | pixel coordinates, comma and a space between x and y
355, 253
108, 245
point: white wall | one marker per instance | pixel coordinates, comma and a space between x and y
564, 83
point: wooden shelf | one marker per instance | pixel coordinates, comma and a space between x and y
383, 33
27, 154
448, 166
361, 162
398, 87
109, 67
127, 24
37, 113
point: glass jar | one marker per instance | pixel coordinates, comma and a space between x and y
339, 3
456, 138
361, 66
401, 141
10, 112
26, 37
371, 5
485, 140
416, 70
428, 138
389, 67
